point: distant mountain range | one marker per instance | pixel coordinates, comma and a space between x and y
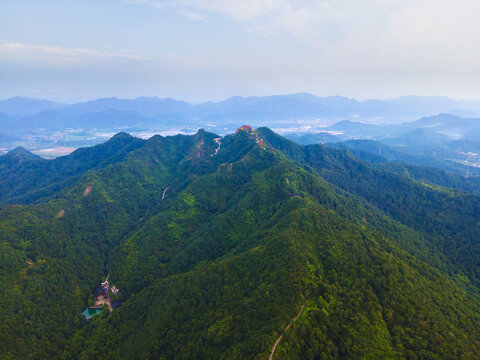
444, 141
413, 125
266, 110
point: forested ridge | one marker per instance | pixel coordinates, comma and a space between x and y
385, 264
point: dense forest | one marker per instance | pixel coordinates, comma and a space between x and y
219, 254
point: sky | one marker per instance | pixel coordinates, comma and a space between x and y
200, 50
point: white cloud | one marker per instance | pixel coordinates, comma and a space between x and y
59, 54
53, 56
404, 46
154, 3
425, 36
243, 11
300, 18
315, 22
194, 16
361, 48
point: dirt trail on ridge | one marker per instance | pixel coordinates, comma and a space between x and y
285, 330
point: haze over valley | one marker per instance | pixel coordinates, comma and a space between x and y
434, 131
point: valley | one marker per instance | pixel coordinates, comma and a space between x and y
441, 140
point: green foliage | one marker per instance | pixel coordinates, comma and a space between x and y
25, 178
386, 266
447, 219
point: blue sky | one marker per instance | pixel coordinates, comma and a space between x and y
200, 50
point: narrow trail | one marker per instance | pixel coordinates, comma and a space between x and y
285, 330
164, 192
219, 142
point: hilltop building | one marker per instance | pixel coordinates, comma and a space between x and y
245, 128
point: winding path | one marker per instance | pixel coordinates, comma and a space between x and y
219, 142
164, 192
285, 330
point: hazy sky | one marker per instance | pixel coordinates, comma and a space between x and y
200, 50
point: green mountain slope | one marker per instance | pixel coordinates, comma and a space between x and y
448, 220
216, 253
376, 152
26, 178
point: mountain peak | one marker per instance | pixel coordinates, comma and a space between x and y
122, 135
119, 139
244, 128
22, 154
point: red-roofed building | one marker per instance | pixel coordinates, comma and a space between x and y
244, 128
